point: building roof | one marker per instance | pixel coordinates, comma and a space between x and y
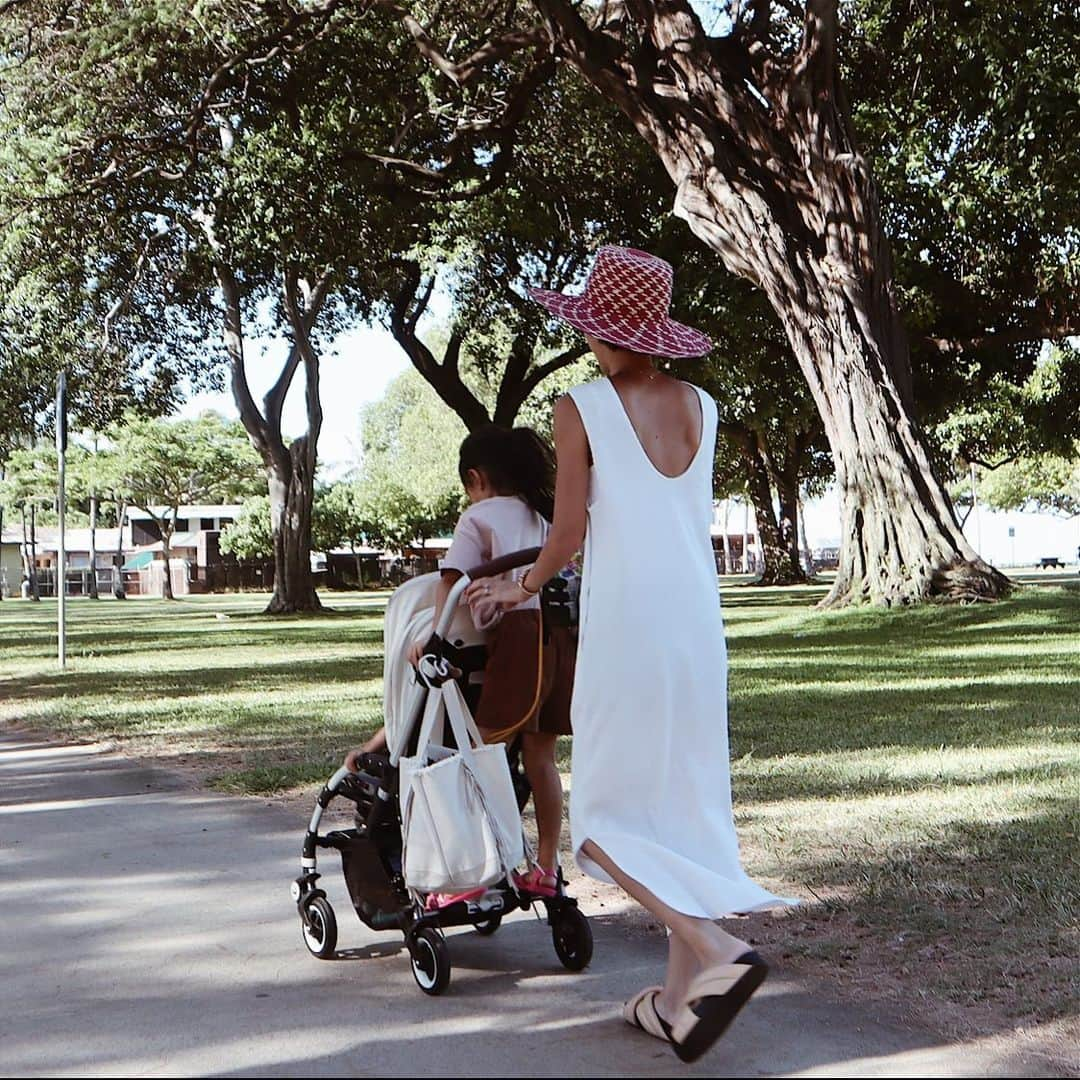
48, 538
199, 511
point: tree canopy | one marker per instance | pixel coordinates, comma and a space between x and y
177, 178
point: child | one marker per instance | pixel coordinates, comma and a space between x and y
509, 479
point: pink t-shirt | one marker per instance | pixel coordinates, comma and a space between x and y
494, 527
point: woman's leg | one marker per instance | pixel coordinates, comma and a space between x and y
682, 968
695, 943
538, 754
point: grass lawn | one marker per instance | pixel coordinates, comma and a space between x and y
914, 774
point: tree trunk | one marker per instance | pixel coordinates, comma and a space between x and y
776, 566
35, 588
808, 557
291, 497
761, 148
900, 540
290, 470
166, 553
727, 539
746, 568
93, 547
118, 559
788, 492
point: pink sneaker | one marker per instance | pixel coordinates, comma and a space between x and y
436, 901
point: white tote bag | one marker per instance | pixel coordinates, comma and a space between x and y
460, 822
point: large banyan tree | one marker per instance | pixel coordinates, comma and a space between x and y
750, 118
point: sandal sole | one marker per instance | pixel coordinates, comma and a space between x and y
716, 1013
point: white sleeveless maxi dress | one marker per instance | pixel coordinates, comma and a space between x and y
650, 781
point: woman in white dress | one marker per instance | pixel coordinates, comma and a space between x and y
650, 804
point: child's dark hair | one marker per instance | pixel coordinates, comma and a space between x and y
516, 462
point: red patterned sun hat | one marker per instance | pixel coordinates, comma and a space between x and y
626, 301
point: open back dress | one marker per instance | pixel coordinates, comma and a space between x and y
651, 781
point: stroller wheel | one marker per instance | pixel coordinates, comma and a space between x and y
488, 926
572, 938
320, 930
430, 960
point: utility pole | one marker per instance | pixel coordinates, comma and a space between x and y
61, 554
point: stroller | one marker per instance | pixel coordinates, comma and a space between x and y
372, 851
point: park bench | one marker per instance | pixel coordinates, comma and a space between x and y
1049, 561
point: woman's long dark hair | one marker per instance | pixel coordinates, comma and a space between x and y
515, 462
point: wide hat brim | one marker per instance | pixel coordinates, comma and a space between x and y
661, 336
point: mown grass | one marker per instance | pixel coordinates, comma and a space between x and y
914, 774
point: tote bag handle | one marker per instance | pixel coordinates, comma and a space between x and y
466, 733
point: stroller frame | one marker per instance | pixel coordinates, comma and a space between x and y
371, 853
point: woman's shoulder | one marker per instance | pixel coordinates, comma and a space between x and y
708, 402
586, 390
583, 399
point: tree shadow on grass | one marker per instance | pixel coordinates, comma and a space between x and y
811, 781
801, 720
801, 599
141, 637
912, 632
983, 915
176, 687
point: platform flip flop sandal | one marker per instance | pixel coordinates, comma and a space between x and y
640, 1012
713, 1001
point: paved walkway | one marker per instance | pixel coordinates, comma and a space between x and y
147, 930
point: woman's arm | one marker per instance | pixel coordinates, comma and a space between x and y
571, 499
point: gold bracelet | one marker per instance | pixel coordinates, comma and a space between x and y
524, 588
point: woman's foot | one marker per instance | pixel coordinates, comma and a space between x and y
644, 1012
717, 946
713, 1000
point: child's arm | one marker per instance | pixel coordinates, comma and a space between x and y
442, 591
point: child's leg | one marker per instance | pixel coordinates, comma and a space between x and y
538, 753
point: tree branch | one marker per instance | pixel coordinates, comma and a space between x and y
445, 378
814, 62
495, 48
1051, 330
541, 371
124, 302
274, 401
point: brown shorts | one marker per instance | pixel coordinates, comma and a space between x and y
510, 677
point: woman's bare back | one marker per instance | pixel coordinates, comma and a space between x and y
665, 414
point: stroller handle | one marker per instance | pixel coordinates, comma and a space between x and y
494, 567
490, 568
